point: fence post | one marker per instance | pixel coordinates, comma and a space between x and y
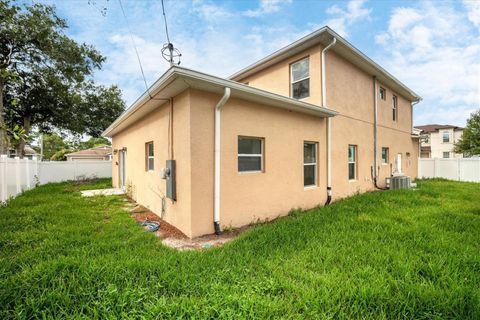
35, 170
3, 178
27, 171
17, 175
435, 167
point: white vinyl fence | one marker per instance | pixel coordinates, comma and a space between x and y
461, 169
17, 175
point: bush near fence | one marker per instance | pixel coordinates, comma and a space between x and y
17, 175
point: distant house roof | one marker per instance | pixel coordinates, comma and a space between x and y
429, 128
92, 152
29, 151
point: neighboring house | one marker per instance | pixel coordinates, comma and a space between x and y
250, 148
97, 153
28, 152
437, 140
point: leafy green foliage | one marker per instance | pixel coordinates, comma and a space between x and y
49, 75
409, 254
469, 144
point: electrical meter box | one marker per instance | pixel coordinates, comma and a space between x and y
170, 179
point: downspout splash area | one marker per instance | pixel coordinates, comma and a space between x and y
329, 125
218, 107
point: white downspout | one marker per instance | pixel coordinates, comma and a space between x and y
216, 213
329, 125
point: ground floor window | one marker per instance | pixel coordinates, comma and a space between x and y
149, 158
309, 164
446, 155
352, 162
250, 154
385, 152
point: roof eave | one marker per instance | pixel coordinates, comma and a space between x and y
194, 76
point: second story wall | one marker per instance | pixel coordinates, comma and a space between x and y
276, 78
349, 89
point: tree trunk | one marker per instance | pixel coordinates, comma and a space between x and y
3, 132
21, 143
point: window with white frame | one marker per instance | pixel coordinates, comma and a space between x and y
383, 93
149, 156
352, 162
394, 108
309, 164
385, 155
446, 155
250, 154
300, 79
446, 136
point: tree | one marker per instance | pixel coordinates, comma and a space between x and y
469, 144
46, 77
53, 143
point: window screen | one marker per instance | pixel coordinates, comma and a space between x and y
149, 156
352, 162
300, 78
250, 154
309, 164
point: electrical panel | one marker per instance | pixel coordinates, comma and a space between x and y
170, 173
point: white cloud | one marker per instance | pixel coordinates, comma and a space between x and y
473, 7
267, 6
344, 18
437, 54
210, 11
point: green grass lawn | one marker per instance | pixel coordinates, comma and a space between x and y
394, 254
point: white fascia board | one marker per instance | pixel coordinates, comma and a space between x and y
216, 84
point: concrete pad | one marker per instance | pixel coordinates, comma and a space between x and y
102, 192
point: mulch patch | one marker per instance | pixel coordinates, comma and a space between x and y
141, 214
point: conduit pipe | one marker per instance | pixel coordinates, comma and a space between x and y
216, 213
329, 125
374, 171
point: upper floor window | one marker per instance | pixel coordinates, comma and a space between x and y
394, 108
309, 164
352, 162
383, 93
300, 79
446, 136
149, 158
250, 154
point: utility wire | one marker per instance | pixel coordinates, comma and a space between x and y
165, 19
135, 47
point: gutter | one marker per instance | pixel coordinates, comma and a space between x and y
216, 210
329, 125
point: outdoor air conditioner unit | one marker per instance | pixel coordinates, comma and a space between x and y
399, 182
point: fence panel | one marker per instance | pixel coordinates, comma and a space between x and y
18, 175
462, 169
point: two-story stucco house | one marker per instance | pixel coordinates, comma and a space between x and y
438, 140
315, 121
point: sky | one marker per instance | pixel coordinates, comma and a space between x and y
431, 46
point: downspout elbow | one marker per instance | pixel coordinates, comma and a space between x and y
218, 108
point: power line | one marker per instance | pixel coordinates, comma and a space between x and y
135, 47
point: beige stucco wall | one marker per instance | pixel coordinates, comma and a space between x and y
248, 197
146, 187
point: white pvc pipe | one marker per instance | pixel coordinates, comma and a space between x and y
218, 108
329, 124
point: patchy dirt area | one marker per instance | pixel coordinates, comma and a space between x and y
174, 238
